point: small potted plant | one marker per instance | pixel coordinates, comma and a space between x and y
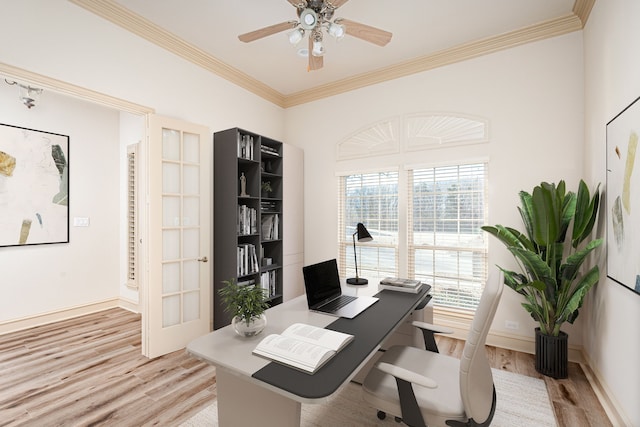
247, 304
266, 188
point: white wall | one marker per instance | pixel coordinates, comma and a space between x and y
44, 278
532, 97
57, 39
612, 64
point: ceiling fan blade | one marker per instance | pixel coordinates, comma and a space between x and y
296, 3
266, 31
315, 62
337, 3
365, 32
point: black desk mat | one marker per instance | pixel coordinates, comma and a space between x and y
369, 329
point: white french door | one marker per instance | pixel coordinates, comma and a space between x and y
177, 300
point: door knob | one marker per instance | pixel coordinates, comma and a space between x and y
203, 259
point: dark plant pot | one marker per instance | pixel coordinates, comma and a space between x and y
552, 354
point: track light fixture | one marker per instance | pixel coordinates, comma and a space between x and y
28, 95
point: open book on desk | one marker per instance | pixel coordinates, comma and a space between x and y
302, 346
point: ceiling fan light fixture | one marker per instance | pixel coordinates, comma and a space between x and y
318, 48
308, 19
295, 36
336, 31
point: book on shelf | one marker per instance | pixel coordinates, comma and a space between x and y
270, 227
269, 150
268, 281
245, 146
304, 347
268, 206
247, 260
247, 220
399, 284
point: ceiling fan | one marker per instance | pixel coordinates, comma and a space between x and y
314, 16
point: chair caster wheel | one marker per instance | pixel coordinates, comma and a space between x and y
398, 419
382, 415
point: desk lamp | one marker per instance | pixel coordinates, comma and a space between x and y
363, 236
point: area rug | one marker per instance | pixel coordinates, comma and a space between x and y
522, 401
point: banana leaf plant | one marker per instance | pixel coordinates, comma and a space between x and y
549, 259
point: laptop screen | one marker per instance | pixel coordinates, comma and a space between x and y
321, 281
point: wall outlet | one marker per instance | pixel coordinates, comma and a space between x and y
511, 324
80, 221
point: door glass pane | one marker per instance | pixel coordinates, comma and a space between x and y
191, 211
191, 243
170, 178
170, 310
170, 245
191, 275
170, 278
191, 306
170, 211
191, 148
170, 144
191, 180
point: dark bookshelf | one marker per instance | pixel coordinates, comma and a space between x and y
245, 249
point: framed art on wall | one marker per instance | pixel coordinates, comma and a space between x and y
623, 198
34, 187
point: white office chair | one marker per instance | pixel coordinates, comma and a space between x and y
425, 388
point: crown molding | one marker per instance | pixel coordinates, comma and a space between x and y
123, 17
142, 27
44, 82
582, 9
544, 30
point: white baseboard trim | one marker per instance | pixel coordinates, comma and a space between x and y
129, 305
605, 396
460, 326
20, 324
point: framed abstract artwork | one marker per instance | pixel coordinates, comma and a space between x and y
623, 198
34, 187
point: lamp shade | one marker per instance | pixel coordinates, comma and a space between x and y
362, 236
363, 233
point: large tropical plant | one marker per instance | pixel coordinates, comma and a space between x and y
550, 260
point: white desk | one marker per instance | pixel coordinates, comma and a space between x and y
244, 400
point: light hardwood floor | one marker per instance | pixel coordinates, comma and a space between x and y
89, 371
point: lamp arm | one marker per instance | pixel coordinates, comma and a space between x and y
355, 258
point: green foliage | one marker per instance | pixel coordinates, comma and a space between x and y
244, 301
266, 186
549, 260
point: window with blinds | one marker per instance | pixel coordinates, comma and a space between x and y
446, 247
132, 217
371, 199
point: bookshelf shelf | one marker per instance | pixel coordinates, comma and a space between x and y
247, 220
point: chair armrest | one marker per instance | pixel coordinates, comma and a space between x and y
428, 333
406, 375
430, 327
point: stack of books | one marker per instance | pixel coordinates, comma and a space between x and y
402, 285
269, 150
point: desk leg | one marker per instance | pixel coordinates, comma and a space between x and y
241, 403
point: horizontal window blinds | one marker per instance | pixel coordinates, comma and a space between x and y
446, 247
371, 199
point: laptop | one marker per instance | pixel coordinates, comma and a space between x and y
324, 294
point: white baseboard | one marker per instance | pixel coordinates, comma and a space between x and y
603, 393
15, 325
460, 326
56, 316
129, 305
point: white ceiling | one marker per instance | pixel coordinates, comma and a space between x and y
420, 28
